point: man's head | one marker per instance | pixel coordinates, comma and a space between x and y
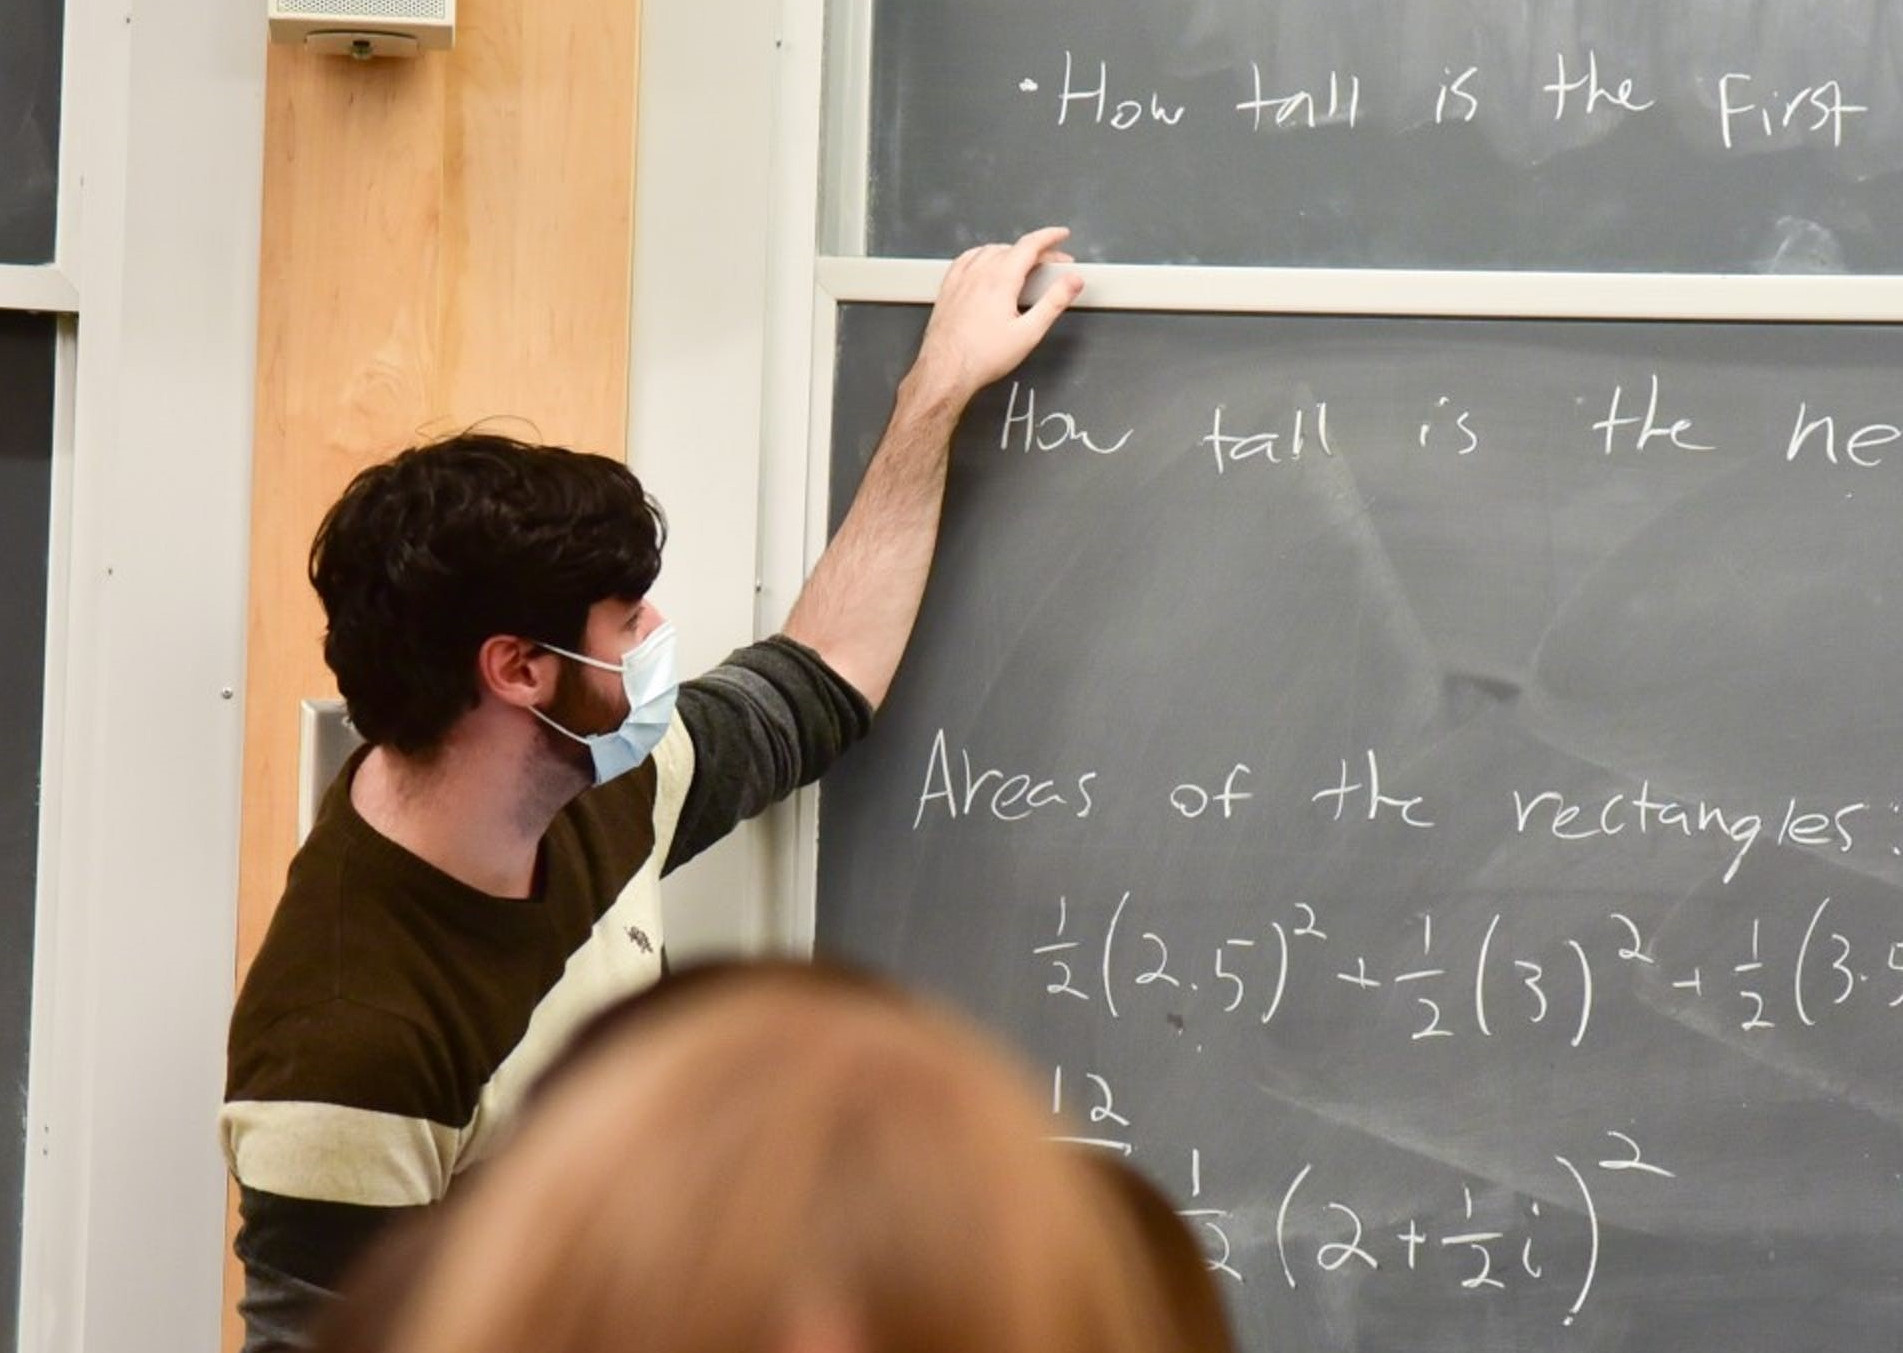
428, 555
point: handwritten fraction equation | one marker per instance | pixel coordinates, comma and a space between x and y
1494, 1246
1479, 986
1744, 109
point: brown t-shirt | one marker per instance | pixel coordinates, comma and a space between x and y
394, 1017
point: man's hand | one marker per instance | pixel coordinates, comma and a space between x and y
858, 608
977, 334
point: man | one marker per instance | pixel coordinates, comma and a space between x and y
482, 877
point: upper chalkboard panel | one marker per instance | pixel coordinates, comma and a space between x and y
1577, 135
1432, 792
30, 47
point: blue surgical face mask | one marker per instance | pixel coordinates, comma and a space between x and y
647, 674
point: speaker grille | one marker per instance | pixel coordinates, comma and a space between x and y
368, 9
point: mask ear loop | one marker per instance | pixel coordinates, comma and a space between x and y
578, 657
569, 733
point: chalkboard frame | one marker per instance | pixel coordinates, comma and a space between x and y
819, 265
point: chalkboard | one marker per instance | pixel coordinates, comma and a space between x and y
30, 45
1430, 792
26, 459
1586, 135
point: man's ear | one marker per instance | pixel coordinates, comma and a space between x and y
517, 671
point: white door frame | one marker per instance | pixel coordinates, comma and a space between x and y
161, 165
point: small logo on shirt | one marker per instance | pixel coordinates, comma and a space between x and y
639, 938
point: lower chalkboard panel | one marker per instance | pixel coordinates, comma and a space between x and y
1430, 791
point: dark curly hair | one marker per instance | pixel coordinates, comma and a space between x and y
429, 554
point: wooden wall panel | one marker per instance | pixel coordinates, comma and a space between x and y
445, 240
537, 325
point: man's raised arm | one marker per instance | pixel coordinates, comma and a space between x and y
857, 609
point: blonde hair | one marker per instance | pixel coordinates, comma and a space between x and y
786, 1161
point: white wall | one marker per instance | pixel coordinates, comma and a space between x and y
702, 236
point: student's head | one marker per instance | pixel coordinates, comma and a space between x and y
782, 1160
431, 554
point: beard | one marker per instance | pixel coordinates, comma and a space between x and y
579, 709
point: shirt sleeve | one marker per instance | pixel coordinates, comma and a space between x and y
771, 718
279, 1311
295, 1252
303, 1247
